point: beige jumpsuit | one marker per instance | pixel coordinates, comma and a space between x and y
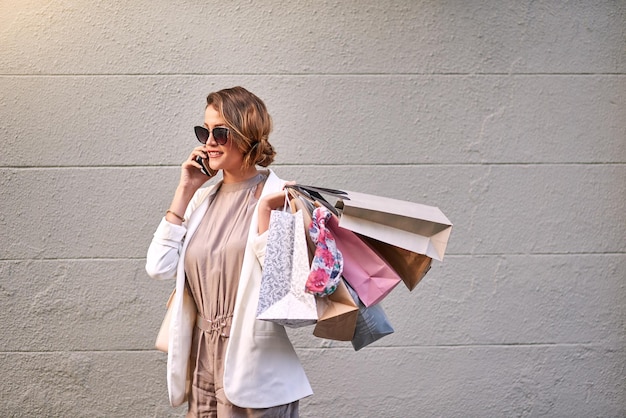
213, 266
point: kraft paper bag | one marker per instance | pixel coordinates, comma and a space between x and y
164, 332
411, 267
282, 298
337, 314
179, 386
366, 272
189, 312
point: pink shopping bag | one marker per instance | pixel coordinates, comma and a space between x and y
368, 274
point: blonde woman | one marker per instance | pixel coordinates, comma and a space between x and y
212, 240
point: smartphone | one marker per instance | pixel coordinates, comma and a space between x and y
204, 162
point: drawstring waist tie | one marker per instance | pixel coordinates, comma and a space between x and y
220, 324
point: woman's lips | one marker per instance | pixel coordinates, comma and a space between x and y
214, 154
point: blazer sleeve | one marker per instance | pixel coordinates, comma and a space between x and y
164, 250
167, 242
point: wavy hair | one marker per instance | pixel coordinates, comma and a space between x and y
249, 122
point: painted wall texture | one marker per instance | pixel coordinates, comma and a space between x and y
508, 115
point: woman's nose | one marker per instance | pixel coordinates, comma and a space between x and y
211, 139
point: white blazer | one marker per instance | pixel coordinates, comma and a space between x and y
261, 367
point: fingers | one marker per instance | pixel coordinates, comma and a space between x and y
289, 190
191, 161
198, 152
289, 183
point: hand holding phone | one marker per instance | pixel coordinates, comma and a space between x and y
204, 162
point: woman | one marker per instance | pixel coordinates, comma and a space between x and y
213, 241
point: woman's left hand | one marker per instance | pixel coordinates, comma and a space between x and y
267, 204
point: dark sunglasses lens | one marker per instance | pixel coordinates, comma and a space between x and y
201, 133
220, 135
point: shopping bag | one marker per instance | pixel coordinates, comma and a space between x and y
371, 325
363, 268
415, 227
337, 314
411, 267
282, 298
327, 263
189, 315
180, 334
325, 259
307, 209
163, 336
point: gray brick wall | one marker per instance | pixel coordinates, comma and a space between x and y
508, 115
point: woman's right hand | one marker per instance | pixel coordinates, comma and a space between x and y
191, 178
191, 175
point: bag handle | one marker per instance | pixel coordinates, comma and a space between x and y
313, 195
287, 203
288, 206
333, 192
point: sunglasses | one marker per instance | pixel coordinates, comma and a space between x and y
220, 135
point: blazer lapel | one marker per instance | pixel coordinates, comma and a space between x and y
272, 184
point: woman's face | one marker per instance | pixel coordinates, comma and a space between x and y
225, 157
